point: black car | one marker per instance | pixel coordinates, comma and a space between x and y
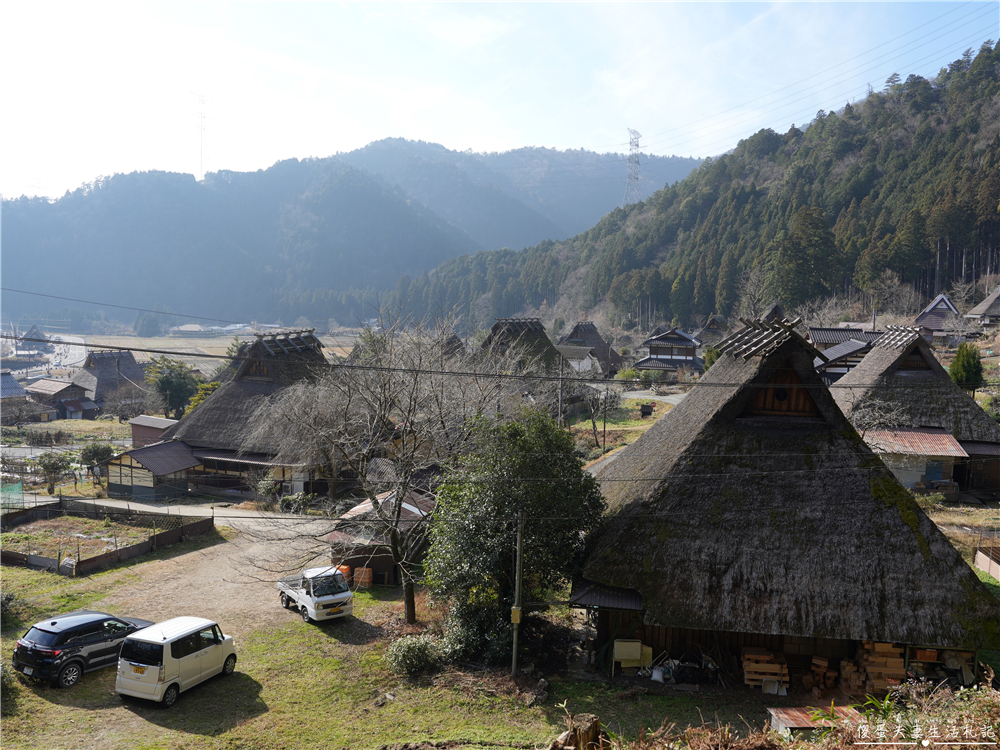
60, 650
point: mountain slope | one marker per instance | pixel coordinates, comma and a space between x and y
906, 180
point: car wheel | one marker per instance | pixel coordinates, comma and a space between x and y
170, 696
284, 601
69, 675
305, 614
230, 665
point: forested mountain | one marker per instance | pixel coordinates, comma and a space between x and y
907, 180
515, 198
312, 237
316, 238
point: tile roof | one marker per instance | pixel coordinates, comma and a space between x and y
9, 387
840, 335
915, 441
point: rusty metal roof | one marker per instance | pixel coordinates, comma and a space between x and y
915, 441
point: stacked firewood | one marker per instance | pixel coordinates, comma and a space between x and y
760, 664
880, 665
821, 677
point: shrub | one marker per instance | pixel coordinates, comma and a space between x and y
10, 608
413, 654
295, 503
9, 688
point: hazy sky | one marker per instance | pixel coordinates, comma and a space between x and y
95, 88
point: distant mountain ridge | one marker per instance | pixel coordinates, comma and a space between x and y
906, 181
316, 238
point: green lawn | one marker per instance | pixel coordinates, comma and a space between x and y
307, 685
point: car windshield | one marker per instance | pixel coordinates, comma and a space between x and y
141, 652
328, 585
42, 637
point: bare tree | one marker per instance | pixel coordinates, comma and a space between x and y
752, 292
398, 410
131, 400
823, 312
20, 410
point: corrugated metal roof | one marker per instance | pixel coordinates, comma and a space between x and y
840, 351
144, 420
165, 458
915, 441
589, 594
257, 459
974, 448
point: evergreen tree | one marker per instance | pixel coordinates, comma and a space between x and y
967, 368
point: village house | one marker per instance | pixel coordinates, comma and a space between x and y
63, 398
581, 359
585, 333
938, 320
752, 520
147, 430
839, 360
827, 338
987, 312
941, 439
104, 372
213, 433
361, 540
527, 335
714, 330
669, 351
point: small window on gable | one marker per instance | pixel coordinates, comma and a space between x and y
784, 396
914, 361
257, 369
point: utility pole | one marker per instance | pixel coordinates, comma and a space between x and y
560, 390
632, 186
515, 612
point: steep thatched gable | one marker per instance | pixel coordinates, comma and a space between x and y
261, 368
755, 507
901, 370
528, 334
105, 372
585, 333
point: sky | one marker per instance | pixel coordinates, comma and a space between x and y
98, 88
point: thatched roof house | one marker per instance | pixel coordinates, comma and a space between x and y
104, 372
754, 507
527, 334
987, 312
585, 333
215, 429
904, 379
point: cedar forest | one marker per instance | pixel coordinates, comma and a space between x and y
906, 180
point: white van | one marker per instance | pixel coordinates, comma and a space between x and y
163, 660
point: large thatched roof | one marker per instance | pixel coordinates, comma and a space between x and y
528, 334
901, 370
585, 333
754, 506
262, 368
106, 371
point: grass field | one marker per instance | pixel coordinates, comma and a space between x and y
307, 685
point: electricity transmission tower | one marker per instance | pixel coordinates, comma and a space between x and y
632, 186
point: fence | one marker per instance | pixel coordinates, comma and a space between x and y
988, 552
12, 496
164, 531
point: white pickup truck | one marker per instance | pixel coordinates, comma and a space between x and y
317, 594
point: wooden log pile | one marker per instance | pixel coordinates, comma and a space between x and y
759, 664
821, 677
879, 666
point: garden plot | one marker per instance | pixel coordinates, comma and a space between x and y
81, 538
